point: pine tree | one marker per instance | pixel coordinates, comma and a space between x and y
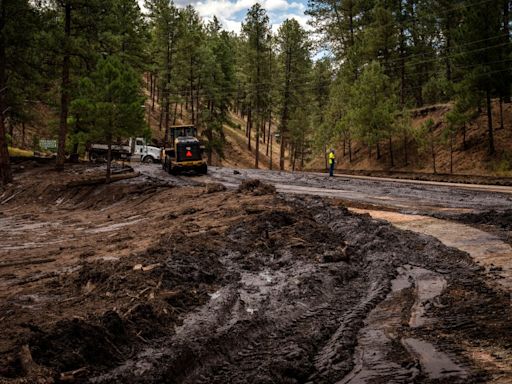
111, 99
166, 24
322, 78
294, 58
256, 29
219, 74
374, 106
482, 56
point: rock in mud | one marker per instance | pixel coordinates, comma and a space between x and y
214, 187
335, 255
256, 187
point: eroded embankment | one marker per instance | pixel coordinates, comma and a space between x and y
248, 287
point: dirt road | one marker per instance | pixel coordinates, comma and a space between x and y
405, 196
161, 279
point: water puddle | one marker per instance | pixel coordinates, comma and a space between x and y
483, 247
429, 286
376, 342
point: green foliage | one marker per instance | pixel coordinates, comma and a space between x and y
503, 165
438, 90
422, 134
403, 122
384, 57
454, 120
255, 30
111, 101
296, 68
373, 105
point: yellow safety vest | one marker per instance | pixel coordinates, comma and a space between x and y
331, 158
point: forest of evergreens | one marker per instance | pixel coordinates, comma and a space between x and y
95, 63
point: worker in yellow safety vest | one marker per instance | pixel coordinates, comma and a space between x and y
332, 161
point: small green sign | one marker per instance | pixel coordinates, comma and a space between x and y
48, 144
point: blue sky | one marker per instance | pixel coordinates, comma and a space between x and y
232, 12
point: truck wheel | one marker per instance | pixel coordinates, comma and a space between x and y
203, 169
93, 157
148, 160
173, 171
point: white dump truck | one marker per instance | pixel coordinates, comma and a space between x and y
135, 148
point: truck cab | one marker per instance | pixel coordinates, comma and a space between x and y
147, 153
134, 148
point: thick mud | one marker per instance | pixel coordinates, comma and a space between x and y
396, 195
201, 285
501, 219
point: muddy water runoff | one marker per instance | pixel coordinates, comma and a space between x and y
382, 327
485, 248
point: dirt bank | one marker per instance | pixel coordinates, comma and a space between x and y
145, 281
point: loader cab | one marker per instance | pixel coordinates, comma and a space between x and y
183, 151
179, 131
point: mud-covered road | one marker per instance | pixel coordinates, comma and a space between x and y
161, 279
405, 196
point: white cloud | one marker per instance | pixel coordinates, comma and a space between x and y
223, 9
301, 18
232, 12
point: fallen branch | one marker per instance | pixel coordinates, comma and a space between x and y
102, 179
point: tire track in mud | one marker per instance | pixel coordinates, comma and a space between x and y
298, 287
296, 322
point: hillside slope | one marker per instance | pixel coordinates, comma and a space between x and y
473, 160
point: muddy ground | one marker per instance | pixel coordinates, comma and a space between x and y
170, 280
407, 197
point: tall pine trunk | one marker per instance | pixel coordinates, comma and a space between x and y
433, 150
109, 158
286, 102
490, 132
249, 128
167, 91
175, 115
281, 153
65, 83
209, 134
502, 125
153, 93
506, 33
192, 90
257, 155
350, 149
5, 166
269, 138
302, 145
